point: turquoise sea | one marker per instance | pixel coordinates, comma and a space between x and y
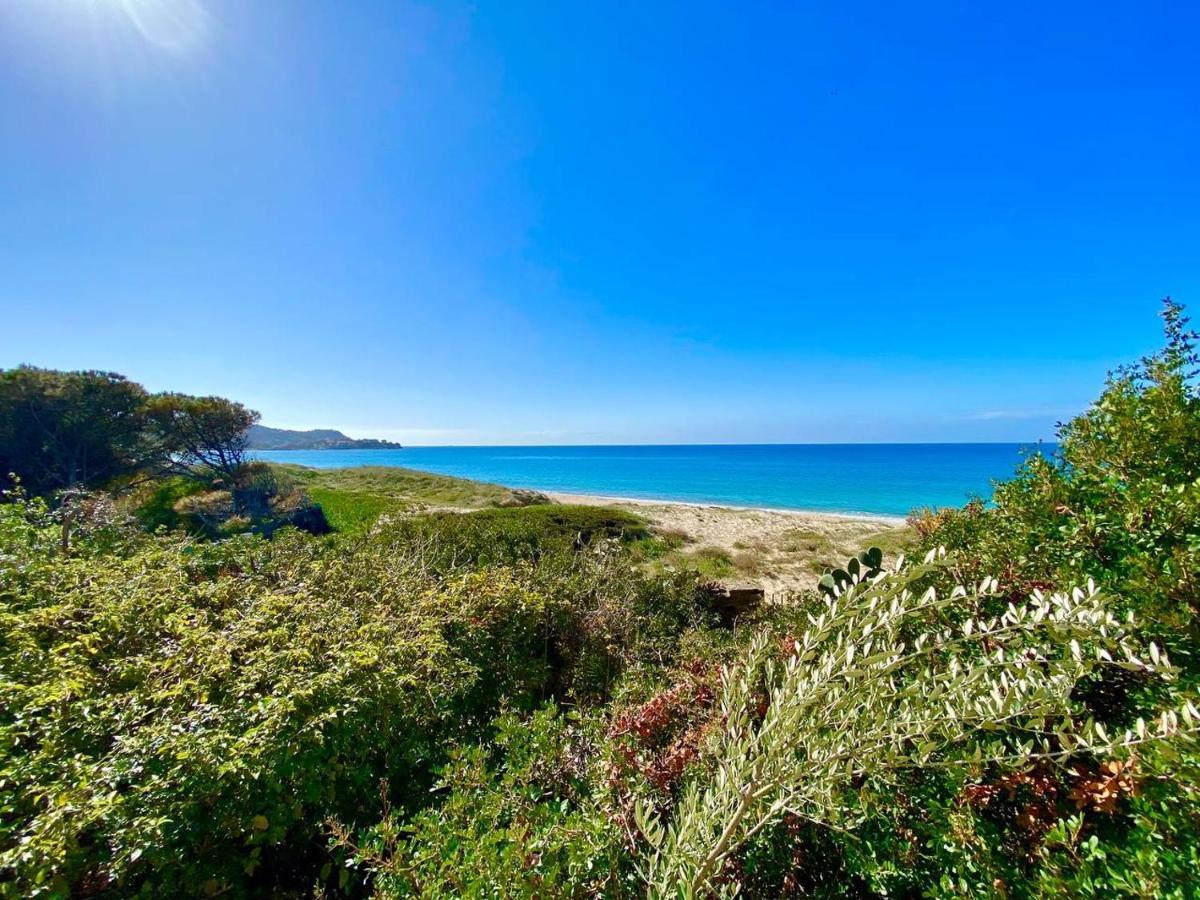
881, 479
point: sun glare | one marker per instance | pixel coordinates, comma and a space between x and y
176, 25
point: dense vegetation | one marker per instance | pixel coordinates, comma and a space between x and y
65, 433
509, 703
70, 430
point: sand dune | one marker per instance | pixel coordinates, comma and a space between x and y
781, 550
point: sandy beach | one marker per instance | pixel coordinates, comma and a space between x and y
781, 550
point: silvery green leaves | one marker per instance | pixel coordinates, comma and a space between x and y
885, 678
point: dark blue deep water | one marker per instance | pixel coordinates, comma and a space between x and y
883, 479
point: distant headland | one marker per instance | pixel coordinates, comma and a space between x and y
260, 437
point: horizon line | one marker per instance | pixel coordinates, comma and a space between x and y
408, 446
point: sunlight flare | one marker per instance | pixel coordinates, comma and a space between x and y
175, 25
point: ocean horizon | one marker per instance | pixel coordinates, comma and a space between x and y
862, 479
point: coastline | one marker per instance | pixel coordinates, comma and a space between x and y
587, 498
615, 500
780, 550
883, 481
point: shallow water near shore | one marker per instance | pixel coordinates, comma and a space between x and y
879, 479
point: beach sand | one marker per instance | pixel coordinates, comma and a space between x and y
779, 550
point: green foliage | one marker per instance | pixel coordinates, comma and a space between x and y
1119, 502
259, 500
184, 717
1153, 850
452, 540
405, 488
868, 689
156, 506
171, 725
516, 819
583, 525
351, 512
87, 429
603, 614
711, 562
62, 429
205, 433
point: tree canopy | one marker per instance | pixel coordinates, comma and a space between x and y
90, 428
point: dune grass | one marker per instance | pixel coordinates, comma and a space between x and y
404, 485
353, 499
353, 511
778, 552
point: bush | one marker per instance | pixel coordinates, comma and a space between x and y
871, 689
157, 506
451, 540
260, 500
1119, 502
516, 819
602, 615
185, 717
87, 430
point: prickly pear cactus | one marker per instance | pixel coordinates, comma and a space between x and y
863, 567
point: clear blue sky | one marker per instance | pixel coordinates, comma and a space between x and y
601, 222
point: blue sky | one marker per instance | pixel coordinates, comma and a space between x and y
594, 223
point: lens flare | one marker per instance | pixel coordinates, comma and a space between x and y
175, 25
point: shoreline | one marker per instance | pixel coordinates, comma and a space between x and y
779, 550
586, 499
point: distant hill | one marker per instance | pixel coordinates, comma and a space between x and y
260, 437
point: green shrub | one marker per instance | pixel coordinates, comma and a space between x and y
452, 540
602, 614
1119, 502
182, 716
350, 512
185, 717
1150, 849
711, 562
157, 506
870, 689
261, 500
516, 819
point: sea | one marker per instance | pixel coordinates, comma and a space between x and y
871, 479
